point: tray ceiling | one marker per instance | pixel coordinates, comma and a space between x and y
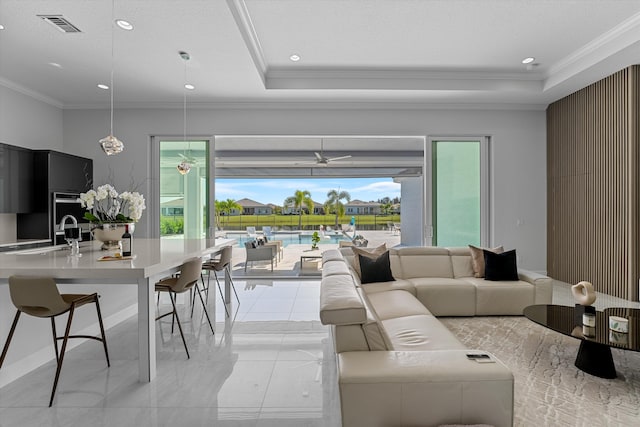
353, 53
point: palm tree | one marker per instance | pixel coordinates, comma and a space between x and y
334, 203
299, 199
225, 206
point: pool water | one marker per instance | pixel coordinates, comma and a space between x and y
294, 238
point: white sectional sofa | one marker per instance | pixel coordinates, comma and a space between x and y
397, 364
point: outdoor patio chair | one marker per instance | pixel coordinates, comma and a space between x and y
251, 231
397, 228
269, 241
260, 253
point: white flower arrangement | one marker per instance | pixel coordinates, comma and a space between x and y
105, 205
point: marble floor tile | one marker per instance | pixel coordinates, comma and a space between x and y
271, 364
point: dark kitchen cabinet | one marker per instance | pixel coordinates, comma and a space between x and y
16, 179
59, 172
55, 173
67, 172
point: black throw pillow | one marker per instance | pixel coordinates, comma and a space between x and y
374, 270
500, 266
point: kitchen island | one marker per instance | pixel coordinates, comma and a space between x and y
153, 259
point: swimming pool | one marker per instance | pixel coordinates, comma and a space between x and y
293, 238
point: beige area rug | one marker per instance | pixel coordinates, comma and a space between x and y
549, 389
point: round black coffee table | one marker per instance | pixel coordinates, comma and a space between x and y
594, 356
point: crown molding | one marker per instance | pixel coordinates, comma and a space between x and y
398, 73
316, 105
403, 79
30, 93
380, 79
608, 44
241, 15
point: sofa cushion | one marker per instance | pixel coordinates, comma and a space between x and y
332, 255
461, 262
420, 332
349, 338
446, 297
397, 303
423, 388
331, 268
397, 284
543, 289
424, 262
477, 258
504, 298
372, 328
500, 266
340, 302
374, 270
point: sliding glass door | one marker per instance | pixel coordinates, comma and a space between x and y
459, 187
184, 197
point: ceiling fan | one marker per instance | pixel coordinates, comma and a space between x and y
322, 160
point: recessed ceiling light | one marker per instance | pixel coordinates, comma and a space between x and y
295, 58
1, 27
103, 86
528, 60
125, 25
55, 64
189, 86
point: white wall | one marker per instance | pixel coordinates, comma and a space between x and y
412, 211
27, 122
517, 158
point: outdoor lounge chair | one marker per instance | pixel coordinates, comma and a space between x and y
397, 228
251, 231
268, 241
260, 253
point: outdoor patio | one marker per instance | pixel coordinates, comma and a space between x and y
289, 265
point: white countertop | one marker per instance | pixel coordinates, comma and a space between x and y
152, 256
22, 242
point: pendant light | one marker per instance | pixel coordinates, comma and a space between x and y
110, 144
185, 165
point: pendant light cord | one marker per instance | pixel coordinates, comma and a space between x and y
112, 58
184, 103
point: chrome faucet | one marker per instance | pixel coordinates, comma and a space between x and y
74, 238
64, 219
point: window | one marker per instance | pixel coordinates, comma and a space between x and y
459, 192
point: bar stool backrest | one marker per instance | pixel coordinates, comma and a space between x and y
37, 296
225, 258
189, 274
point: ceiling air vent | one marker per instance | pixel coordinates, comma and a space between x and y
60, 23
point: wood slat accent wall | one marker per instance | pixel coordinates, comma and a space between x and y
592, 185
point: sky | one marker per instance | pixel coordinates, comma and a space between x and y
276, 190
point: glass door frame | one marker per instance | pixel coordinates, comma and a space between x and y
485, 185
153, 202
